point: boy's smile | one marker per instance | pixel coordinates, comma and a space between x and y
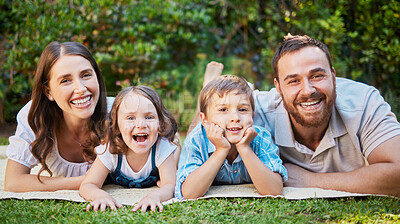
231, 112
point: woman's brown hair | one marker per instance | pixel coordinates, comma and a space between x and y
45, 116
168, 126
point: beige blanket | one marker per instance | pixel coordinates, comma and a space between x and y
131, 196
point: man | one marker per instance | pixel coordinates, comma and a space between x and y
333, 133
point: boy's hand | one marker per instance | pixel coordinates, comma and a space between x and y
216, 136
248, 136
149, 201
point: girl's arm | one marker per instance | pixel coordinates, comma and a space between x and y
265, 181
90, 188
19, 179
167, 172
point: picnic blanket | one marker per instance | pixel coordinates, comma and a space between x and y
131, 196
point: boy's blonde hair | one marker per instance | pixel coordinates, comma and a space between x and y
223, 85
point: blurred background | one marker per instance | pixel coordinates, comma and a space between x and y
166, 44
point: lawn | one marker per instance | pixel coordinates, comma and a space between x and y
237, 210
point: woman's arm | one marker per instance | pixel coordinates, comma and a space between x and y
19, 179
167, 172
90, 188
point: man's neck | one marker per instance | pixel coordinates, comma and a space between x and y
309, 136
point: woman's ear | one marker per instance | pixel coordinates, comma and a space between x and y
46, 92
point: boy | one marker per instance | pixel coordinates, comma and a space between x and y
226, 148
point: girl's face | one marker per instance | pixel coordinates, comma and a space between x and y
73, 86
138, 122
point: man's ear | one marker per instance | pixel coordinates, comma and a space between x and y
46, 92
278, 88
203, 118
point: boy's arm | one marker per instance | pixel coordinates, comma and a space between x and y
200, 180
90, 188
266, 181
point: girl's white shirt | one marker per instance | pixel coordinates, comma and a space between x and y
19, 148
163, 149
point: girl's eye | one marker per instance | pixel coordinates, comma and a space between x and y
222, 109
243, 109
149, 117
131, 118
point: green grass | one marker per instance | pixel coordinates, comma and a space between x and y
237, 210
3, 140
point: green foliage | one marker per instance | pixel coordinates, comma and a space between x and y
236, 210
166, 44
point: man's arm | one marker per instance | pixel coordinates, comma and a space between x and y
382, 176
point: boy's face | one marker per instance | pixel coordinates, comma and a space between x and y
232, 112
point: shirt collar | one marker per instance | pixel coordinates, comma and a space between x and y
284, 134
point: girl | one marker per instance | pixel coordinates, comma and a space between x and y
138, 151
61, 125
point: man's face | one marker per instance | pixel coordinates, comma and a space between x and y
307, 86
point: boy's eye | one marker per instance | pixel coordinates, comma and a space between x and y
63, 81
243, 109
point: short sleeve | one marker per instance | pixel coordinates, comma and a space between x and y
190, 159
164, 150
109, 160
268, 152
378, 123
19, 148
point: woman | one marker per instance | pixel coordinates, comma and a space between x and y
62, 124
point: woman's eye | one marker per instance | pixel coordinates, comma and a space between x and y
87, 75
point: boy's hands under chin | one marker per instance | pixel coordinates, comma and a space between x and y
216, 136
249, 134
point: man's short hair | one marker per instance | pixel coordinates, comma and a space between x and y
294, 43
223, 85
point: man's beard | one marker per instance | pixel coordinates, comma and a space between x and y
317, 120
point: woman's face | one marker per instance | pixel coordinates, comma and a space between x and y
73, 85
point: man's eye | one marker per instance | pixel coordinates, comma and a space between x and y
292, 81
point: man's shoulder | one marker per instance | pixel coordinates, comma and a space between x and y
352, 95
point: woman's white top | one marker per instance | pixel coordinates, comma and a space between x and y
19, 148
163, 150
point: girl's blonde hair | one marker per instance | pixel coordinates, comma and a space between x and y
168, 126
